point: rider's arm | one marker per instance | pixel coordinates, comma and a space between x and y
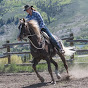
40, 20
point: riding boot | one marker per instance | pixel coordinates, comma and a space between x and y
59, 48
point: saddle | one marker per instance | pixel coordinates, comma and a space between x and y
47, 39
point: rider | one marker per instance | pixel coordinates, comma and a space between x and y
33, 14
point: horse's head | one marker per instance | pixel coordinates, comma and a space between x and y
30, 28
23, 30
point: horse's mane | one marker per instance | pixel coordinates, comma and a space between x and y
34, 26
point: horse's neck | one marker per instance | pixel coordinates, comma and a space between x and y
34, 41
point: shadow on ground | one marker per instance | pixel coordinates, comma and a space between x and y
36, 85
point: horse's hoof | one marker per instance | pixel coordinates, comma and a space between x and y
68, 77
58, 76
53, 82
42, 79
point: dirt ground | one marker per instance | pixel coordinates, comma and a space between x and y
30, 80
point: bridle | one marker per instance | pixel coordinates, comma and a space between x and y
31, 35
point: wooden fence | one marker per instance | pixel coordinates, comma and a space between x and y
8, 53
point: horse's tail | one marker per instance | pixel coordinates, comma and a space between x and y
68, 50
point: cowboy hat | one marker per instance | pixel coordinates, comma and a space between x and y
26, 7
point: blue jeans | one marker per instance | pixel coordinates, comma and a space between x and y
52, 39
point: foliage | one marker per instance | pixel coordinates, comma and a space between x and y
14, 68
1, 0
81, 59
40, 67
51, 7
60, 15
2, 68
17, 60
14, 59
48, 8
85, 47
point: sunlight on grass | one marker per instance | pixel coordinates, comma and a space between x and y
81, 59
14, 59
3, 61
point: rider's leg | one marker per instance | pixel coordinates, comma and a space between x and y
52, 39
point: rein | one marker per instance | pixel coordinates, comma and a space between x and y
32, 35
34, 44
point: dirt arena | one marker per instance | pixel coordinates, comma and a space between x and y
29, 80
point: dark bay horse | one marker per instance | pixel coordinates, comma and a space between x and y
40, 48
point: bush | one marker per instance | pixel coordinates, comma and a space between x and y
14, 59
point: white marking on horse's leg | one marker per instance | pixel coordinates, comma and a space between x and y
57, 74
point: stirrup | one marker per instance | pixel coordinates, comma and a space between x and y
61, 51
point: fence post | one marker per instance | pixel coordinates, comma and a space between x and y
8, 50
71, 38
25, 59
72, 44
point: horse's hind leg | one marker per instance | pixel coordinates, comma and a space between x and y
35, 62
50, 70
56, 69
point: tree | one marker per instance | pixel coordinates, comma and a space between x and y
50, 7
8, 21
17, 21
1, 0
1, 22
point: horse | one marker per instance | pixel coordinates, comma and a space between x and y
41, 47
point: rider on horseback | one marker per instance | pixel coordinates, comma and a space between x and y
35, 15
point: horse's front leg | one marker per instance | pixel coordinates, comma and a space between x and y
50, 70
64, 61
35, 62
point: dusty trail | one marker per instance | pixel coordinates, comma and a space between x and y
29, 80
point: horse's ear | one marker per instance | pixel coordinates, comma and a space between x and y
23, 19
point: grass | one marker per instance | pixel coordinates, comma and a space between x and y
14, 59
81, 59
13, 68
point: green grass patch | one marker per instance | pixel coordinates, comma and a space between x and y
13, 68
81, 59
14, 59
